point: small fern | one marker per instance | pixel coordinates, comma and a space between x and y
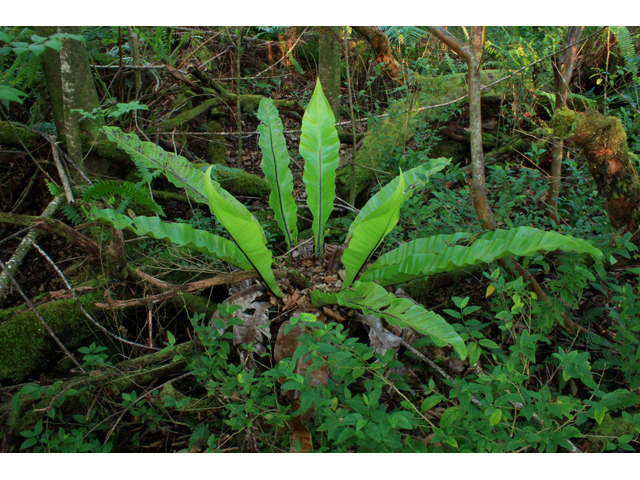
54, 190
146, 174
404, 35
73, 216
130, 192
625, 43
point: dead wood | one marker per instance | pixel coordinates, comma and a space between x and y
53, 226
22, 250
604, 144
384, 54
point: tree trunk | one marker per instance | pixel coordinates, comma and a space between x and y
329, 67
382, 47
472, 55
86, 97
478, 184
70, 86
604, 143
563, 69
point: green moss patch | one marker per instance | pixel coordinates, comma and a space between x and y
25, 345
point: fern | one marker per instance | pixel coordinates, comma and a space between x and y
73, 216
404, 35
627, 50
129, 191
53, 188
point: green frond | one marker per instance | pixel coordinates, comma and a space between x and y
425, 257
625, 43
406, 35
73, 216
179, 234
130, 192
53, 189
373, 299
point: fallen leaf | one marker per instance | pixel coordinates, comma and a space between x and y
381, 339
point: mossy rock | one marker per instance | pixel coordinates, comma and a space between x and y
448, 148
26, 346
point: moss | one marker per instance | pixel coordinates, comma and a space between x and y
452, 149
11, 135
563, 122
188, 115
401, 125
239, 182
217, 148
25, 345
609, 430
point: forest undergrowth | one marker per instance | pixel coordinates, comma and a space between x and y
174, 350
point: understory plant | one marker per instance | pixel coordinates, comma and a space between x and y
319, 146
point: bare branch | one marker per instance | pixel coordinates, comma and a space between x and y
452, 42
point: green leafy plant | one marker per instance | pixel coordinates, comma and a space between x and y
319, 147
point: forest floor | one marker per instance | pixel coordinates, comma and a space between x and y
188, 407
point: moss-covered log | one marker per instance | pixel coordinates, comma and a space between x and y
25, 345
16, 136
124, 376
604, 143
404, 117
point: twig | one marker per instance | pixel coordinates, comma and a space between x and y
91, 319
23, 248
188, 287
26, 191
42, 320
61, 173
17, 234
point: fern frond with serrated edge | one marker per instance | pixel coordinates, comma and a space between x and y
73, 216
53, 188
130, 191
597, 340
627, 50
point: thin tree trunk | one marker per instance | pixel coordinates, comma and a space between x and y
352, 190
69, 102
563, 69
84, 86
472, 55
134, 46
329, 67
478, 184
238, 102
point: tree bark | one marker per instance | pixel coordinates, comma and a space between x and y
329, 67
382, 47
86, 97
478, 184
563, 69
